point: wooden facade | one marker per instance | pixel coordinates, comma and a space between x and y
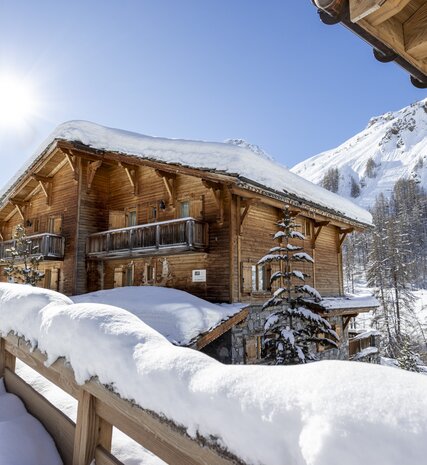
396, 29
123, 220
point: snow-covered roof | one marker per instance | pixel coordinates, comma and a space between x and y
365, 334
177, 315
313, 414
346, 302
236, 159
365, 353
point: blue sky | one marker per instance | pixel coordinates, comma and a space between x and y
266, 71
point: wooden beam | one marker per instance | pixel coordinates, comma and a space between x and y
132, 175
342, 234
245, 206
86, 436
415, 33
318, 225
45, 184
386, 11
209, 337
73, 163
92, 168
360, 9
346, 320
217, 191
169, 182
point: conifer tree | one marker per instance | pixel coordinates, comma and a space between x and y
407, 358
292, 329
331, 180
22, 262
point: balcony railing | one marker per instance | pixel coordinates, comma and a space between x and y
167, 237
50, 246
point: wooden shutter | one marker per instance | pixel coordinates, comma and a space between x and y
274, 268
117, 219
54, 279
118, 277
47, 279
196, 208
246, 277
251, 349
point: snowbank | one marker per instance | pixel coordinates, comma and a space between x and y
226, 158
23, 440
322, 413
177, 315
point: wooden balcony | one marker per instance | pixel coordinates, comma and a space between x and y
163, 238
50, 246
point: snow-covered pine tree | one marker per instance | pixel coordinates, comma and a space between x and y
407, 358
291, 331
22, 263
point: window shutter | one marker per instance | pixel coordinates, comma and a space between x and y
246, 277
117, 219
57, 225
196, 208
54, 279
118, 277
275, 267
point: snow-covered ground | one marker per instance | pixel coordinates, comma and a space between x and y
396, 142
324, 413
23, 439
177, 315
234, 157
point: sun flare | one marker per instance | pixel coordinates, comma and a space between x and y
17, 101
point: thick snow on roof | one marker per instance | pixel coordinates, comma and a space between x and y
348, 301
177, 315
314, 414
23, 439
229, 158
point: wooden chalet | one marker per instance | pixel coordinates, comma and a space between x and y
109, 208
396, 29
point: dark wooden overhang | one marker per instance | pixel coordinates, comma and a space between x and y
396, 29
209, 336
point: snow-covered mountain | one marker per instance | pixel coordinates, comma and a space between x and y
392, 146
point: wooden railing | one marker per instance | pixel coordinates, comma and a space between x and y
164, 237
99, 409
50, 246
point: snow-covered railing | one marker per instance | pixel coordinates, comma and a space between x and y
99, 409
50, 246
165, 236
189, 409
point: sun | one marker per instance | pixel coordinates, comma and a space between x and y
17, 101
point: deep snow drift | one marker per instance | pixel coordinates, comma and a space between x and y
23, 439
242, 160
177, 315
324, 413
396, 142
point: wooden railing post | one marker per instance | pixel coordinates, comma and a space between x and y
157, 236
7, 360
91, 431
2, 357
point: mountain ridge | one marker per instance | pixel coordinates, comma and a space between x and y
391, 147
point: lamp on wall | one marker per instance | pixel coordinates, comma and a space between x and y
162, 205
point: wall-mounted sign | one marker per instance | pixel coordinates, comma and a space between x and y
199, 276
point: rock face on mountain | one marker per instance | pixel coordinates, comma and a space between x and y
392, 146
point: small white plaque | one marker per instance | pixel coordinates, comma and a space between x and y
199, 276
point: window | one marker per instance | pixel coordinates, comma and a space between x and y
184, 209
129, 275
131, 217
306, 227
255, 278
